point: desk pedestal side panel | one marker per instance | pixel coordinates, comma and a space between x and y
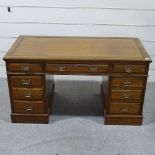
31, 97
125, 96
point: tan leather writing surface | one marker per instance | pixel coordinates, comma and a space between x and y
77, 48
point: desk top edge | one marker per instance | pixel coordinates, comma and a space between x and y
10, 57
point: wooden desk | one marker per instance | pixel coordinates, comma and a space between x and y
32, 58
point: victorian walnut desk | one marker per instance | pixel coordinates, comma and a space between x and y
32, 58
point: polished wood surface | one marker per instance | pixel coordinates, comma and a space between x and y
77, 68
129, 68
26, 81
129, 95
29, 107
32, 58
124, 108
27, 93
25, 67
127, 82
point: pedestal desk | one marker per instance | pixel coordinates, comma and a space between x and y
32, 59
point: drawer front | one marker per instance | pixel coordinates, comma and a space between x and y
26, 81
124, 108
127, 82
76, 68
126, 95
29, 107
24, 67
27, 94
129, 68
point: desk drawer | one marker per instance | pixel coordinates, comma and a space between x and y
129, 68
27, 94
124, 108
126, 95
29, 107
26, 81
24, 67
76, 68
127, 82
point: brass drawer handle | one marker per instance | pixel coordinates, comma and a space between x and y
62, 68
28, 108
25, 82
128, 69
124, 109
93, 69
28, 95
126, 96
25, 68
127, 83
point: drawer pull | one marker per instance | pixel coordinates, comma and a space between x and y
25, 68
28, 108
124, 109
128, 69
62, 68
93, 69
26, 82
28, 95
126, 95
127, 83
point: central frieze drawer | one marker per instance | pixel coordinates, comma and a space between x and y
24, 67
76, 68
124, 108
129, 68
126, 95
29, 107
27, 94
127, 82
26, 81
